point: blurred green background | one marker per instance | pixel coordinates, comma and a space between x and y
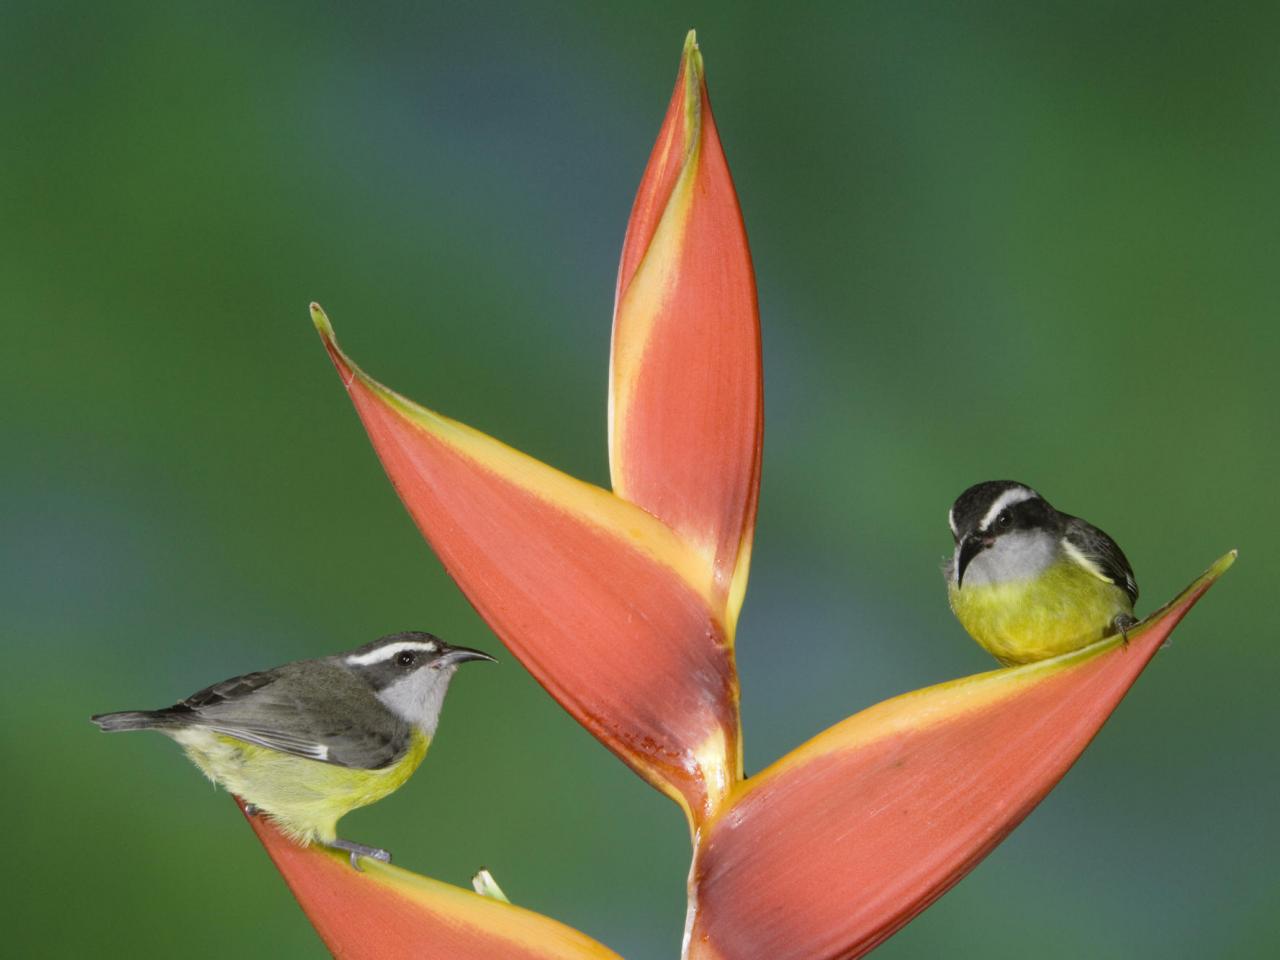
993, 240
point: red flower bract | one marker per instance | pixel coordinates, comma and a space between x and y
384, 913
841, 842
686, 407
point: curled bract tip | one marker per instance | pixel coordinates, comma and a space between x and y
1188, 596
692, 69
321, 320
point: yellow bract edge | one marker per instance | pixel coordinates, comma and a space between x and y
922, 708
586, 502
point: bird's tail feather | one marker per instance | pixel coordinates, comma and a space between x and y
131, 720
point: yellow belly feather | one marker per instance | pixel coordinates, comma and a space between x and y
306, 798
1063, 609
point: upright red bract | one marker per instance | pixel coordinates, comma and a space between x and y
686, 404
623, 605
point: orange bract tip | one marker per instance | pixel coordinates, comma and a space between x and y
321, 320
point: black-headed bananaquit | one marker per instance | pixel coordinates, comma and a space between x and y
310, 741
1029, 582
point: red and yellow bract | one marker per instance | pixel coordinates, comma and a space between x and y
384, 913
841, 842
623, 605
686, 405
607, 607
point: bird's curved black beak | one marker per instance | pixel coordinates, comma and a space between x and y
972, 545
450, 655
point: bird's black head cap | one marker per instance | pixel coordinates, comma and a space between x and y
388, 659
998, 506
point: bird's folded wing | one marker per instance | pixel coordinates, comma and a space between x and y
1101, 555
273, 739
319, 713
365, 748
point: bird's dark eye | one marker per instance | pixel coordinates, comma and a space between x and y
1005, 520
406, 659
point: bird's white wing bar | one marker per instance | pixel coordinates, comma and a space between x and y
1080, 557
273, 740
391, 650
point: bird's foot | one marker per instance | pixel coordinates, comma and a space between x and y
1121, 625
357, 850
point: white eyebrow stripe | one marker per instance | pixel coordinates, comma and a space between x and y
951, 520
1006, 499
391, 650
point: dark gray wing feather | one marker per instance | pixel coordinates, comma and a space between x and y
314, 709
233, 689
1103, 552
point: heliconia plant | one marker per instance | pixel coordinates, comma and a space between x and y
623, 605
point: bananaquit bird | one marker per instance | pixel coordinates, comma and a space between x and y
308, 742
1028, 582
